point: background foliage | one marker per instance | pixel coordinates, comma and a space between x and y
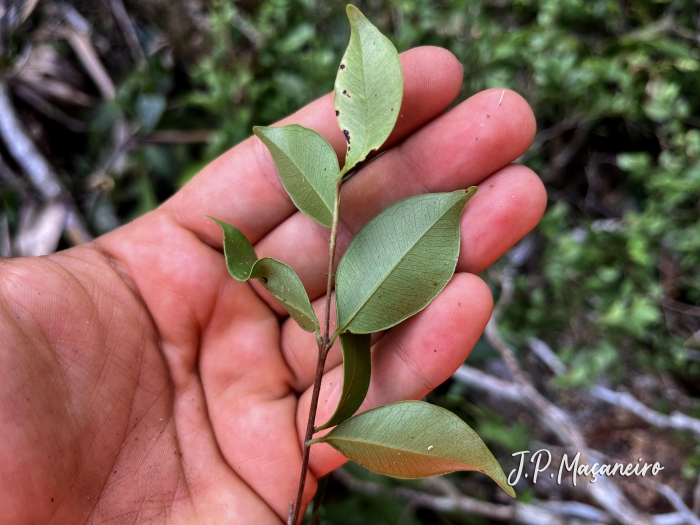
611, 277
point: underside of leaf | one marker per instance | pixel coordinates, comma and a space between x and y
357, 367
412, 439
368, 89
275, 276
399, 261
307, 166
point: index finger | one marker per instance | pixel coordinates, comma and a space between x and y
241, 187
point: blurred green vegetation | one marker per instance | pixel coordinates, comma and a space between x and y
613, 284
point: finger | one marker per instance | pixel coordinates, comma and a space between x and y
411, 359
456, 150
242, 187
507, 206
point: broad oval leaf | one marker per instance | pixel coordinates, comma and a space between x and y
276, 277
307, 166
412, 439
368, 89
399, 261
357, 369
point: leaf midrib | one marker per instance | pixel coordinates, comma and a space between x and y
364, 85
374, 290
387, 447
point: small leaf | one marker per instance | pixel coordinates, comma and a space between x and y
399, 261
275, 276
307, 166
357, 368
285, 285
368, 89
240, 254
412, 439
149, 109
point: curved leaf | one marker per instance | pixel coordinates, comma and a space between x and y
412, 439
399, 261
357, 368
368, 89
275, 276
239, 253
307, 166
285, 285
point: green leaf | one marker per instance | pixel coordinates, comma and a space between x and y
357, 368
275, 276
307, 166
285, 285
399, 261
368, 89
412, 439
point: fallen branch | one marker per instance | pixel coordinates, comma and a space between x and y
676, 420
538, 512
37, 168
132, 40
604, 492
677, 503
518, 512
627, 401
77, 33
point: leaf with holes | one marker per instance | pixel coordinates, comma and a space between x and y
412, 439
276, 277
357, 368
399, 261
368, 89
307, 166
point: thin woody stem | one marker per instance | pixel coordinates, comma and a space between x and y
324, 345
331, 258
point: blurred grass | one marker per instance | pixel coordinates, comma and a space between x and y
614, 282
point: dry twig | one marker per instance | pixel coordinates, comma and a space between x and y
132, 40
677, 503
604, 492
535, 513
37, 168
625, 400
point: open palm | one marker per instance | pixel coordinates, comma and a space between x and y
141, 383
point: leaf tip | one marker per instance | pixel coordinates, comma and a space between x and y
353, 11
217, 221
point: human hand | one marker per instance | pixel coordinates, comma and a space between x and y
143, 383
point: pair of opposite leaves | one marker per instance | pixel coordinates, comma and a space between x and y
393, 268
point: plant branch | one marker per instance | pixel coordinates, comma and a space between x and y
538, 511
37, 169
604, 492
324, 345
625, 400
677, 503
331, 260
